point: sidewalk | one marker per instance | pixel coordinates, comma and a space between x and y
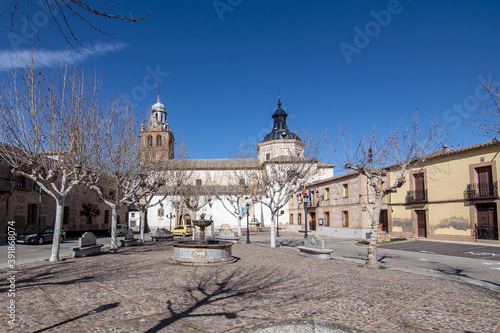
140, 289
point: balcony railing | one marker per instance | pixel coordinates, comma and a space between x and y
481, 190
416, 196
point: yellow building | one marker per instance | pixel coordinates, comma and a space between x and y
453, 195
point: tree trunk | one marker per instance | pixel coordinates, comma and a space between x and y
56, 240
192, 224
142, 225
239, 226
273, 230
114, 242
261, 217
371, 259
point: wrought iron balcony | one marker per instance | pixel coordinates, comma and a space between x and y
416, 196
481, 190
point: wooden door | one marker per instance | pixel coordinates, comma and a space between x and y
421, 223
487, 225
419, 187
313, 221
485, 179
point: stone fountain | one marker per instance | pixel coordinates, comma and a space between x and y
201, 253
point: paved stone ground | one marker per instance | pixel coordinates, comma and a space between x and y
139, 289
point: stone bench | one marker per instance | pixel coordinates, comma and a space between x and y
87, 246
129, 239
227, 236
162, 235
315, 247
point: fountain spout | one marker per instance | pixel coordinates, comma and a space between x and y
202, 224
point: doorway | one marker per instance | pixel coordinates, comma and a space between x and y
383, 221
313, 221
487, 225
485, 178
33, 214
421, 223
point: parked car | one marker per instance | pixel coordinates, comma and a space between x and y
183, 230
121, 230
38, 234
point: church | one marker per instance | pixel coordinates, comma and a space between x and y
225, 194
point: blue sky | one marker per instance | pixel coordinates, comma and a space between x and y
223, 62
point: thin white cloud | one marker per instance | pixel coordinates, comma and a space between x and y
50, 58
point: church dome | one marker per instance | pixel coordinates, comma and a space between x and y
281, 135
280, 129
158, 106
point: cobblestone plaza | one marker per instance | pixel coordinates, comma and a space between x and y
140, 289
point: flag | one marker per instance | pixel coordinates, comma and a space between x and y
254, 190
304, 191
310, 193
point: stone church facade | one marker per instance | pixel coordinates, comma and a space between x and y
157, 141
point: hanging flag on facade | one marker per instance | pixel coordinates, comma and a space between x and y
310, 193
254, 190
304, 191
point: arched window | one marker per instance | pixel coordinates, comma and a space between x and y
158, 141
150, 141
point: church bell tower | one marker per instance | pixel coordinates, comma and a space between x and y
157, 140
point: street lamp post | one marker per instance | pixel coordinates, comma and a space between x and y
305, 196
248, 230
171, 216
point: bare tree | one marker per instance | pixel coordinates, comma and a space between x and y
404, 148
240, 183
165, 177
50, 131
279, 179
486, 116
116, 177
182, 150
192, 198
235, 194
63, 12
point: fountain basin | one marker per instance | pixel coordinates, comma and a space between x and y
197, 253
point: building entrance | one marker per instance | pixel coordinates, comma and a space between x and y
313, 221
421, 223
487, 224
